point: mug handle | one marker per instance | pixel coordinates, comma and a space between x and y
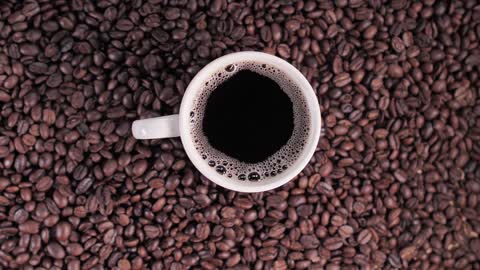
156, 128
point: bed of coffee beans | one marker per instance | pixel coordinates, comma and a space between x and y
394, 183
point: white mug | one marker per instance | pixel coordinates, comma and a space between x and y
178, 124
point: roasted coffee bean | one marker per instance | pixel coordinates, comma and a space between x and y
345, 231
55, 250
30, 226
364, 237
342, 79
333, 243
62, 231
44, 184
408, 253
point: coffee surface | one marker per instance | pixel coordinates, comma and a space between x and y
250, 121
248, 117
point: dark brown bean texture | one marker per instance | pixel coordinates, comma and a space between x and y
394, 182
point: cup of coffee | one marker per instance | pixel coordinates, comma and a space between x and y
248, 121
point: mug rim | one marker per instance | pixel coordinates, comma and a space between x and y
232, 183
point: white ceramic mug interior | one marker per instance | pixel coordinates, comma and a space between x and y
179, 125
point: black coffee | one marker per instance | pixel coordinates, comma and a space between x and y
250, 122
248, 117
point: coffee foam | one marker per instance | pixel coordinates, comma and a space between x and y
273, 165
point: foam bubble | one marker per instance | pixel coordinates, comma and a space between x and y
276, 163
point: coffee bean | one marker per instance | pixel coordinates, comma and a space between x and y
20, 216
124, 25
439, 86
54, 80
276, 231
172, 14
11, 82
284, 51
55, 250
292, 25
342, 79
4, 96
30, 9
140, 167
364, 237
124, 264
84, 185
77, 100
326, 169
109, 236
74, 249
30, 226
345, 231
44, 184
29, 49
401, 176
370, 32
337, 220
22, 258
109, 167
152, 231
66, 23
178, 34
309, 241
408, 253
395, 71
266, 33
333, 243
202, 231
268, 253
